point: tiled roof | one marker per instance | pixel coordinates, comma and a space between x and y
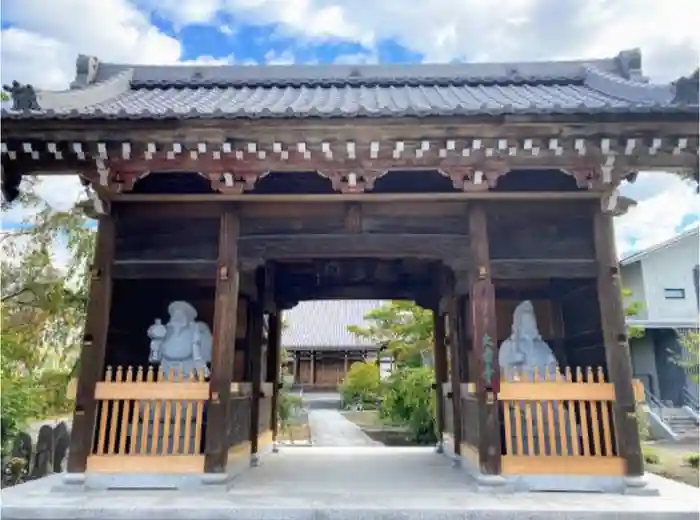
324, 324
113, 91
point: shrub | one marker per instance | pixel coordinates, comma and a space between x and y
409, 400
651, 456
693, 460
361, 385
288, 406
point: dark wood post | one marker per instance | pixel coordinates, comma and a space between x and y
92, 356
256, 340
223, 349
455, 364
274, 330
484, 342
617, 351
440, 372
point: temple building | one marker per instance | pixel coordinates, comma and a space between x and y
320, 349
227, 195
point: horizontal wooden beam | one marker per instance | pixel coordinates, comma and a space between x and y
360, 197
540, 268
165, 269
278, 247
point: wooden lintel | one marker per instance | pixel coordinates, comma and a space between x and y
280, 247
540, 268
166, 269
362, 197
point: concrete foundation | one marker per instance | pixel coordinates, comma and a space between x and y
551, 483
345, 484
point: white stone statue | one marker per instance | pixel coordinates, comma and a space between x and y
525, 350
522, 355
181, 347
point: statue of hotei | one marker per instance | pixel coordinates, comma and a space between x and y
522, 356
182, 347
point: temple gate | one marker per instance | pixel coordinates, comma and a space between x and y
237, 192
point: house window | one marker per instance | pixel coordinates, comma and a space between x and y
674, 294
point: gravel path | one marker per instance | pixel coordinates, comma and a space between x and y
330, 428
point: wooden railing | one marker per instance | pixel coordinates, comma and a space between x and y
149, 423
560, 423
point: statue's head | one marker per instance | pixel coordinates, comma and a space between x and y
525, 321
181, 313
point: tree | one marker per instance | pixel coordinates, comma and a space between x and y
689, 358
403, 327
43, 309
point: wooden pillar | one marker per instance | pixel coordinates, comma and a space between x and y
345, 365
617, 352
484, 342
455, 376
94, 346
223, 348
274, 331
440, 371
313, 367
256, 344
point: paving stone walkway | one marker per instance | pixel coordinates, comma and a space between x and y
353, 483
330, 428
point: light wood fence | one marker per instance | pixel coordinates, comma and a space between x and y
149, 423
561, 423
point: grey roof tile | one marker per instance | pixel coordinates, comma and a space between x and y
324, 324
114, 91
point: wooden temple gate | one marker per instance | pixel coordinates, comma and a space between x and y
466, 210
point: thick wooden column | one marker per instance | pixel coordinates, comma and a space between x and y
256, 340
92, 355
440, 371
274, 331
223, 349
484, 342
313, 368
617, 351
295, 368
455, 364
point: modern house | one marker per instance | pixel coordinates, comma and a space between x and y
664, 280
319, 346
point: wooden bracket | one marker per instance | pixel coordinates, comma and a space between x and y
223, 273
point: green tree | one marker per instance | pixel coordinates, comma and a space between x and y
405, 328
42, 309
689, 358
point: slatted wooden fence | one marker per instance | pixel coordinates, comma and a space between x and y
561, 423
149, 423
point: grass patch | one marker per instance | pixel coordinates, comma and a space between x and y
364, 418
295, 432
674, 465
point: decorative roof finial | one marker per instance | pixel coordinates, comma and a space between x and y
687, 89
23, 97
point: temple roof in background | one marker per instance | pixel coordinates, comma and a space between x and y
323, 325
123, 91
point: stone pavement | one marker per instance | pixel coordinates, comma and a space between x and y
347, 484
330, 428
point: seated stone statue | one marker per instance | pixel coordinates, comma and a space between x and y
181, 347
521, 356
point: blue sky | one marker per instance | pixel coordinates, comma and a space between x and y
41, 40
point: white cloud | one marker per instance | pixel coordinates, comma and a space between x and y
476, 30
59, 191
665, 203
46, 37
